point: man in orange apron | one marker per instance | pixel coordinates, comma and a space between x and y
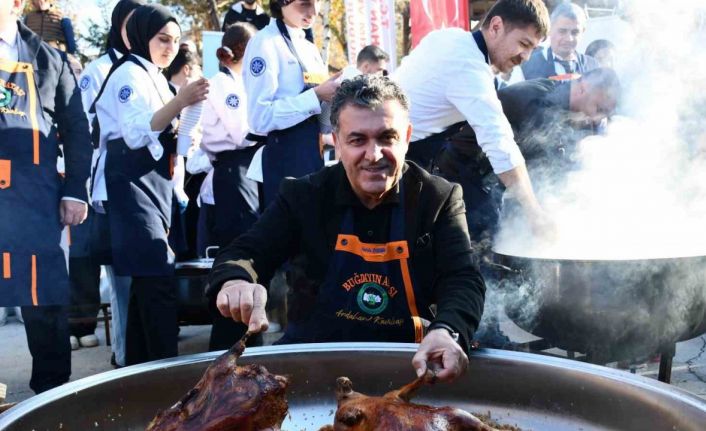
38, 90
378, 248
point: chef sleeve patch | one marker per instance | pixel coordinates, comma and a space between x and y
125, 93
257, 66
232, 101
85, 82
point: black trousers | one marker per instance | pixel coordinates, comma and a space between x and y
85, 294
481, 191
152, 326
205, 236
47, 331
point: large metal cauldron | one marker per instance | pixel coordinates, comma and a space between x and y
609, 309
532, 391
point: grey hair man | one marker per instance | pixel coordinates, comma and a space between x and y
560, 60
373, 242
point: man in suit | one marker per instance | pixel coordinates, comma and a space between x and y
38, 92
560, 60
376, 244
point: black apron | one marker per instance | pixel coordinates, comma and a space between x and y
32, 267
140, 194
368, 293
292, 152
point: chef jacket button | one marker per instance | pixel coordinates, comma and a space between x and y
370, 233
344, 241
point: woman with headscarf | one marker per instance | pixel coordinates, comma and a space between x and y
96, 231
137, 114
286, 82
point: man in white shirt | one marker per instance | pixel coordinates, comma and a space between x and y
449, 78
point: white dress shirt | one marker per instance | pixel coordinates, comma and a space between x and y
274, 80
8, 44
130, 99
447, 81
225, 118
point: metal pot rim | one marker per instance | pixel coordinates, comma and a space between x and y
518, 358
503, 255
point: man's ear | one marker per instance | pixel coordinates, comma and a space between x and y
409, 133
496, 27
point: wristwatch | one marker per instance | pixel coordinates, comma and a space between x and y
439, 325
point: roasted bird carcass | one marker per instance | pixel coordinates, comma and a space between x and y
394, 412
229, 398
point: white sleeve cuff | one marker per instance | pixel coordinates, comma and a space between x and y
312, 105
68, 198
141, 135
505, 161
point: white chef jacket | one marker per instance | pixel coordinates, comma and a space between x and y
225, 119
130, 99
274, 80
447, 81
91, 80
90, 83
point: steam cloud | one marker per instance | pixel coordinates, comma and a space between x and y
639, 193
641, 188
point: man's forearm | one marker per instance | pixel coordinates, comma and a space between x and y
517, 182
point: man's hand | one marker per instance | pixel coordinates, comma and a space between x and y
72, 213
244, 302
327, 89
440, 353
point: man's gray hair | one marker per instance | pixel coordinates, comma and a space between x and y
571, 11
366, 91
603, 79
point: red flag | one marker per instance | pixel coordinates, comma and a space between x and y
428, 15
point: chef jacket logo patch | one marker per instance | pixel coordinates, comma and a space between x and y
124, 94
85, 82
372, 298
5, 97
257, 66
232, 101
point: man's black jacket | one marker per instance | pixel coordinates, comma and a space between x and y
302, 225
60, 99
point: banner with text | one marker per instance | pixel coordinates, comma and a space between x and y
371, 22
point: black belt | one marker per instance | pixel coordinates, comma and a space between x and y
230, 155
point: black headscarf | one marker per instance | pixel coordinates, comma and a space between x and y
121, 10
144, 24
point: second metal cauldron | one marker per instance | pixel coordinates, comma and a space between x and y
609, 309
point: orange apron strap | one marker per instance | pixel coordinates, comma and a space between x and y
6, 269
565, 77
372, 252
411, 301
35, 299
